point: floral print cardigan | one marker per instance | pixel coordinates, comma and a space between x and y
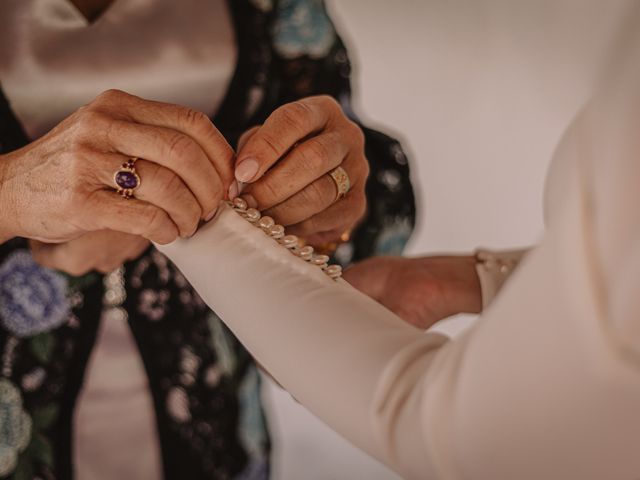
204, 385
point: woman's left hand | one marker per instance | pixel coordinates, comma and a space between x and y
286, 163
421, 291
103, 251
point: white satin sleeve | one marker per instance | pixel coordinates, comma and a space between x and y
545, 385
321, 339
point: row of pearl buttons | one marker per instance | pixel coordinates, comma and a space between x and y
291, 242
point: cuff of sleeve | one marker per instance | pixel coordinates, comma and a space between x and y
494, 268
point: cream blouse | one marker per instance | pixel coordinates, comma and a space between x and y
545, 386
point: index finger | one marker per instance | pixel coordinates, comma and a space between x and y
281, 130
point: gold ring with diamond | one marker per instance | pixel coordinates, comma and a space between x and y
341, 179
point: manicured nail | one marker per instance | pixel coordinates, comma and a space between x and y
247, 169
211, 215
233, 190
251, 202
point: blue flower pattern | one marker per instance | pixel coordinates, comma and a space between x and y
33, 299
302, 27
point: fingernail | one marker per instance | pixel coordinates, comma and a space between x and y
211, 215
190, 234
233, 190
251, 202
247, 169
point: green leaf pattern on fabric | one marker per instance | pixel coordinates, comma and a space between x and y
42, 346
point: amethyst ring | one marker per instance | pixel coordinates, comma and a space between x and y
126, 179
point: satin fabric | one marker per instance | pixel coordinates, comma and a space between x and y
545, 385
53, 61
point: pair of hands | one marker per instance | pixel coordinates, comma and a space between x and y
58, 191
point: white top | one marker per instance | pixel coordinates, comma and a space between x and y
179, 52
545, 386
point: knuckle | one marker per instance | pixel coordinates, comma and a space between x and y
314, 194
366, 169
181, 148
169, 184
265, 193
155, 218
196, 120
328, 102
361, 207
313, 154
295, 114
109, 96
155, 222
247, 135
355, 132
272, 143
89, 123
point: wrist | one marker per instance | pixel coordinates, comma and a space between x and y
466, 285
7, 203
459, 283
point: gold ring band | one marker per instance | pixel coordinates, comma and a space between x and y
341, 179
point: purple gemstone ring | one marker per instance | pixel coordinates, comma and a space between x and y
126, 179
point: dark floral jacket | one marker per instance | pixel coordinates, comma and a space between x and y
205, 386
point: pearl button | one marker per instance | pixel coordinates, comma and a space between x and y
334, 271
252, 215
276, 231
239, 203
306, 253
320, 260
266, 223
289, 241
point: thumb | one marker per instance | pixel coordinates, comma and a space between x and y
236, 187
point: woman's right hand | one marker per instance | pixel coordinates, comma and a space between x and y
62, 185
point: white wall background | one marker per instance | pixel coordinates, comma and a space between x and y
480, 92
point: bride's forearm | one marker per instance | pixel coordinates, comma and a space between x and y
337, 351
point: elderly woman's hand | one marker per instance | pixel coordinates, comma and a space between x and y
287, 162
103, 251
62, 185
